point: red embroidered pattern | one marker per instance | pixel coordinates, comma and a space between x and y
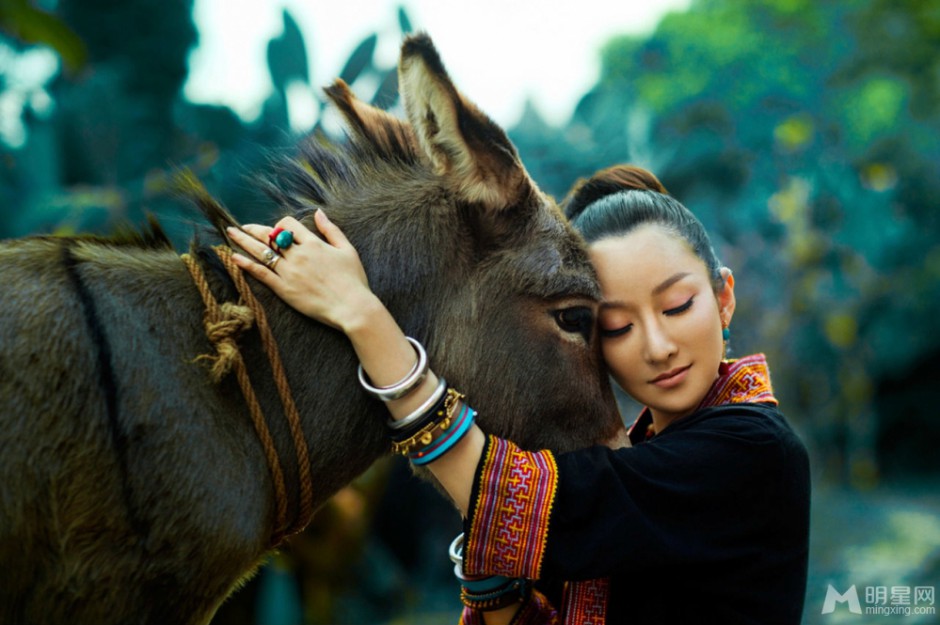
510, 523
585, 603
743, 380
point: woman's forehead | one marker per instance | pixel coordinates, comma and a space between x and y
648, 245
644, 262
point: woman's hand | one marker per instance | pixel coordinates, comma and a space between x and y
322, 279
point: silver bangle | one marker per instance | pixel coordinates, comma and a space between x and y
404, 386
456, 550
399, 424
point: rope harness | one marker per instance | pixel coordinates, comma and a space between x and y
224, 324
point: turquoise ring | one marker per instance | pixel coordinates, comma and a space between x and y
280, 239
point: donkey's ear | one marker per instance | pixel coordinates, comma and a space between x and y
462, 143
383, 132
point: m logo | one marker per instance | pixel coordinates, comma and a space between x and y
850, 596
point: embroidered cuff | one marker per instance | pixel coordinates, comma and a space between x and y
510, 508
585, 602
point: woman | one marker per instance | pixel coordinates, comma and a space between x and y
703, 519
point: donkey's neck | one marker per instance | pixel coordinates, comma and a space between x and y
200, 436
342, 427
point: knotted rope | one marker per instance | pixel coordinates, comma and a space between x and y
224, 324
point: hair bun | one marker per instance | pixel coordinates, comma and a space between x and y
606, 182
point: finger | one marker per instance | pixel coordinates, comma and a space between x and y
301, 233
249, 242
257, 231
258, 271
334, 236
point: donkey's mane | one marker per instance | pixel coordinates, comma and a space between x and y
320, 171
375, 146
150, 236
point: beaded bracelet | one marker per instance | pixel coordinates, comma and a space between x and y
440, 417
404, 386
430, 416
449, 437
516, 591
488, 592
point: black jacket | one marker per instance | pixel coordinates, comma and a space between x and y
707, 522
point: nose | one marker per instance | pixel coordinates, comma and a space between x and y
658, 346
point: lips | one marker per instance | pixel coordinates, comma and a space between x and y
671, 378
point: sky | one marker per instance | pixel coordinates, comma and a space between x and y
498, 52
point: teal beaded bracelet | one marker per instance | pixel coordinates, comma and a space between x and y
447, 440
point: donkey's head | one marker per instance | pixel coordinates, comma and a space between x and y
467, 253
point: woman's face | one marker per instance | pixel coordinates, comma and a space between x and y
660, 322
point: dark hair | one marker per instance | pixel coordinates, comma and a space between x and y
616, 200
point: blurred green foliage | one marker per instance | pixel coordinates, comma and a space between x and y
95, 146
802, 132
32, 25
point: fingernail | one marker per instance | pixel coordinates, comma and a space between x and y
231, 230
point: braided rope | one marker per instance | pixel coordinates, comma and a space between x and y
283, 388
224, 323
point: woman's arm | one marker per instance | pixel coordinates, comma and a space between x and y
387, 357
326, 281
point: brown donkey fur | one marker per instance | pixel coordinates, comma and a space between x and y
133, 490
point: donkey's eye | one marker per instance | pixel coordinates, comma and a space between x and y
576, 320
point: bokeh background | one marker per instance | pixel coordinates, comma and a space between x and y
803, 133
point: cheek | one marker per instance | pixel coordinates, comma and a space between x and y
703, 318
621, 360
703, 325
609, 353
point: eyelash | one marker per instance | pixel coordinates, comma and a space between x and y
617, 332
678, 310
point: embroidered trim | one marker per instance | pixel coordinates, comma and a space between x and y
585, 603
744, 380
509, 528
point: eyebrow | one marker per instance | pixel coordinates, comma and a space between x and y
668, 282
662, 286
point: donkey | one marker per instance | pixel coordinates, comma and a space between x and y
135, 490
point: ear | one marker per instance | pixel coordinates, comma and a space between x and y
462, 143
726, 297
388, 135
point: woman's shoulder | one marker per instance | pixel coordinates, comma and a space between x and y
756, 421
756, 434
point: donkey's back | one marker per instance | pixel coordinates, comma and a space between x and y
97, 387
